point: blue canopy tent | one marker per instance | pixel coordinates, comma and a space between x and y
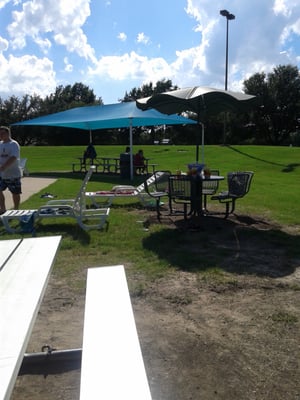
119, 115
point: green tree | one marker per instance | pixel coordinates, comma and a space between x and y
14, 110
66, 97
279, 94
148, 135
149, 89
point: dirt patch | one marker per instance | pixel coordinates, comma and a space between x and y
203, 336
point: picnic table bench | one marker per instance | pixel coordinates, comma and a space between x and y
112, 363
82, 166
165, 141
25, 266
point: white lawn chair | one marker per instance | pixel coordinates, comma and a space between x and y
72, 208
126, 191
23, 168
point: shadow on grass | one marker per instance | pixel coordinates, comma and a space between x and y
72, 231
290, 167
113, 179
286, 168
242, 247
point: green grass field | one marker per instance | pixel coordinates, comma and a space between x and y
223, 294
273, 196
274, 191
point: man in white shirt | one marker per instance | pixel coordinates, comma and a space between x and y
10, 174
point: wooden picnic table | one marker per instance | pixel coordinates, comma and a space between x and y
25, 266
110, 164
83, 165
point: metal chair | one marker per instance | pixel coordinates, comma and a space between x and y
179, 193
238, 186
209, 188
159, 189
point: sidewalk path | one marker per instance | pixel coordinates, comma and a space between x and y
30, 186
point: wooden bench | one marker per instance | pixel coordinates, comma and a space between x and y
165, 141
25, 267
112, 363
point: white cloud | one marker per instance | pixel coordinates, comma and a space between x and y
26, 74
122, 36
68, 66
3, 3
285, 7
254, 41
259, 33
131, 66
44, 44
61, 19
142, 38
261, 37
3, 44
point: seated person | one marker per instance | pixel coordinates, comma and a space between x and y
90, 153
139, 162
125, 157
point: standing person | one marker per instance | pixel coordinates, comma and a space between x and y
10, 174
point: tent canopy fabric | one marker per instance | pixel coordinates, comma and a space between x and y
201, 100
111, 116
119, 115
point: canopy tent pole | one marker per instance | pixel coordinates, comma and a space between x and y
91, 137
131, 149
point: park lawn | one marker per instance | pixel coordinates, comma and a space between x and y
224, 294
273, 197
274, 190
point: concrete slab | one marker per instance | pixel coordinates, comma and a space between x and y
30, 186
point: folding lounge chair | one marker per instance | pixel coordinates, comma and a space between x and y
238, 186
107, 196
23, 168
72, 208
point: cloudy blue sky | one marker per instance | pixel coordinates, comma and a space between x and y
115, 45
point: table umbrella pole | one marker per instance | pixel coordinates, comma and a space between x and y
202, 144
202, 139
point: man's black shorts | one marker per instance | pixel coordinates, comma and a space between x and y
13, 185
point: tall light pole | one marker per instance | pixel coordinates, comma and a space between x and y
229, 17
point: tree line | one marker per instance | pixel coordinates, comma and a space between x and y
274, 121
